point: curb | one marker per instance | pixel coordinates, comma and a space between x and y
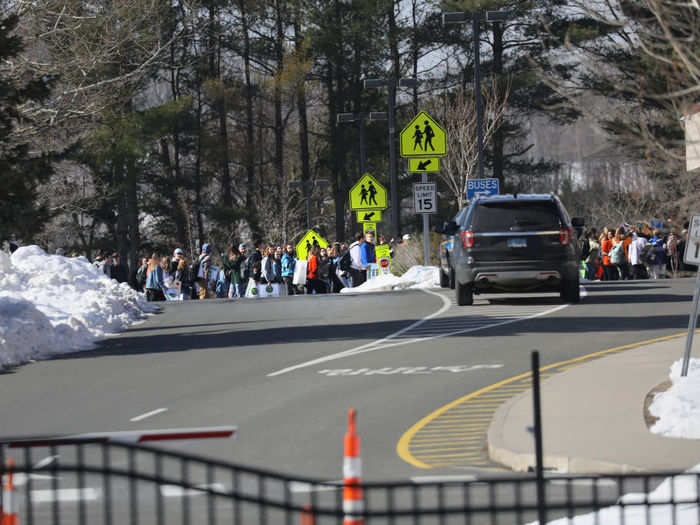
525, 461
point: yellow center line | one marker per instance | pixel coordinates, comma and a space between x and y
514, 385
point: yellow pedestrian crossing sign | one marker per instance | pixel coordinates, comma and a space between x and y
307, 241
423, 137
369, 227
368, 194
369, 216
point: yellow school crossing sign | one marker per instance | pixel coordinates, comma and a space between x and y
368, 194
307, 241
423, 137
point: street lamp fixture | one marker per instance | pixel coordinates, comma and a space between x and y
343, 118
476, 18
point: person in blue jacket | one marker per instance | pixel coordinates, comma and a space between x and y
154, 279
367, 249
288, 265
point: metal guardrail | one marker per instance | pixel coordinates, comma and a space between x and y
84, 482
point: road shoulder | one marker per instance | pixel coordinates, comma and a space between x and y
593, 417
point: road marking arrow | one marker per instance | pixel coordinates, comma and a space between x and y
424, 164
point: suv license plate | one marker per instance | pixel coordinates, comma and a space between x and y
517, 243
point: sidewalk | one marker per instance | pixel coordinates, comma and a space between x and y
593, 418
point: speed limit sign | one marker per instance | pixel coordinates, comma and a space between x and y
425, 197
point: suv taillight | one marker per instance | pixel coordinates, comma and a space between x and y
468, 239
565, 235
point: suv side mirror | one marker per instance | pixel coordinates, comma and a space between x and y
578, 222
450, 228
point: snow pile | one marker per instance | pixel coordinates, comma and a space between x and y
678, 408
682, 489
415, 277
50, 304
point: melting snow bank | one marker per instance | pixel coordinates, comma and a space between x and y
50, 304
678, 408
415, 277
652, 508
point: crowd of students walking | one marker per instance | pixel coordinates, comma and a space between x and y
326, 270
632, 253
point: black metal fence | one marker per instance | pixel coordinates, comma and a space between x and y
79, 482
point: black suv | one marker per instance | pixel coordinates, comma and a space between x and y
511, 243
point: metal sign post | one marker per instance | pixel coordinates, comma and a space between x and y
425, 203
426, 230
692, 256
691, 327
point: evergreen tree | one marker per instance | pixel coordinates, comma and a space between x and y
21, 215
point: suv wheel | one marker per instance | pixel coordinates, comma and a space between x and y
465, 294
444, 280
570, 292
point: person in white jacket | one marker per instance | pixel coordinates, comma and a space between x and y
357, 270
635, 249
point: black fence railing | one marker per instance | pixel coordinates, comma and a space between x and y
110, 483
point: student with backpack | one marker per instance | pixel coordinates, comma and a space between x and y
288, 264
200, 271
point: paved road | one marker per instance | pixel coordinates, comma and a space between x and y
286, 370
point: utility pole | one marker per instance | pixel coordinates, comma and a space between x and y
360, 118
392, 84
477, 17
308, 186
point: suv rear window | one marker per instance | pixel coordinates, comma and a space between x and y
516, 216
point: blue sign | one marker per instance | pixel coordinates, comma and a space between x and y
481, 188
657, 224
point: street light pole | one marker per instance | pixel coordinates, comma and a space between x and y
477, 17
393, 173
392, 84
372, 116
307, 186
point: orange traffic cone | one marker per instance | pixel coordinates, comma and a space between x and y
7, 511
353, 499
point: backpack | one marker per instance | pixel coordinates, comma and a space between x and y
617, 254
585, 249
345, 262
141, 276
647, 253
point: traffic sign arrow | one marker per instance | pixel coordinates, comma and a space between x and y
368, 216
424, 165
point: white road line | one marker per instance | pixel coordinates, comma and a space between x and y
297, 487
368, 347
443, 479
175, 491
148, 414
64, 495
20, 479
389, 341
45, 462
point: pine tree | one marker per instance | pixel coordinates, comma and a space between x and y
21, 215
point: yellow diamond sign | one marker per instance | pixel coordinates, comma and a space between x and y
423, 137
307, 241
368, 194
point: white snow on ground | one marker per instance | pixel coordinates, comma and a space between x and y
415, 277
50, 304
683, 490
678, 408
